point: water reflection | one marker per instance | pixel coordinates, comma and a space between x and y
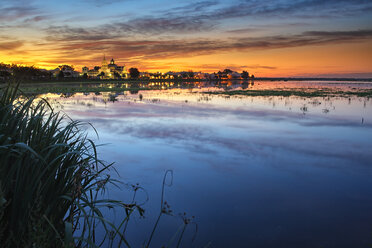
196, 86
266, 171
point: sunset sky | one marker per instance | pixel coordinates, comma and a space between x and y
264, 37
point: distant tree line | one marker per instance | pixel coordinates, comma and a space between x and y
19, 72
67, 72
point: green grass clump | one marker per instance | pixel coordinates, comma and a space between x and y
50, 179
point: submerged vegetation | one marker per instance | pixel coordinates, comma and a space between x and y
236, 88
250, 92
294, 92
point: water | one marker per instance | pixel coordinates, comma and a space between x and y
254, 171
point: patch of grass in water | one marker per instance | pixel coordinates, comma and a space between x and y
287, 93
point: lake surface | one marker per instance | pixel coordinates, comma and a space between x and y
255, 171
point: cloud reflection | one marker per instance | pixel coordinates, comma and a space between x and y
247, 133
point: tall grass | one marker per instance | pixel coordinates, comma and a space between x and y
51, 180
52, 184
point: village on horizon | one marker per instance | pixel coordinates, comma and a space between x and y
110, 70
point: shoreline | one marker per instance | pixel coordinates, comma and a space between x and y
287, 93
265, 92
100, 81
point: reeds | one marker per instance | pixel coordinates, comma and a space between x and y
51, 181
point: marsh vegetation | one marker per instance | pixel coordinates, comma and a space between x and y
52, 183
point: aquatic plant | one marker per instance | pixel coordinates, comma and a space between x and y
165, 209
52, 183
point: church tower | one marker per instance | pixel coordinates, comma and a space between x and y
104, 67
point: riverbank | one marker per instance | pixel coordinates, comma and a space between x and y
145, 80
250, 92
228, 88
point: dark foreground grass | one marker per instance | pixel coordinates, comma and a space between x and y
286, 93
51, 181
52, 184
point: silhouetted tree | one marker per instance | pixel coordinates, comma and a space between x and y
190, 74
4, 66
184, 74
61, 74
66, 68
20, 72
27, 72
134, 72
5, 75
245, 74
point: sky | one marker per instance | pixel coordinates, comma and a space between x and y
265, 37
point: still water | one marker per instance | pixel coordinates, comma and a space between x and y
260, 171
